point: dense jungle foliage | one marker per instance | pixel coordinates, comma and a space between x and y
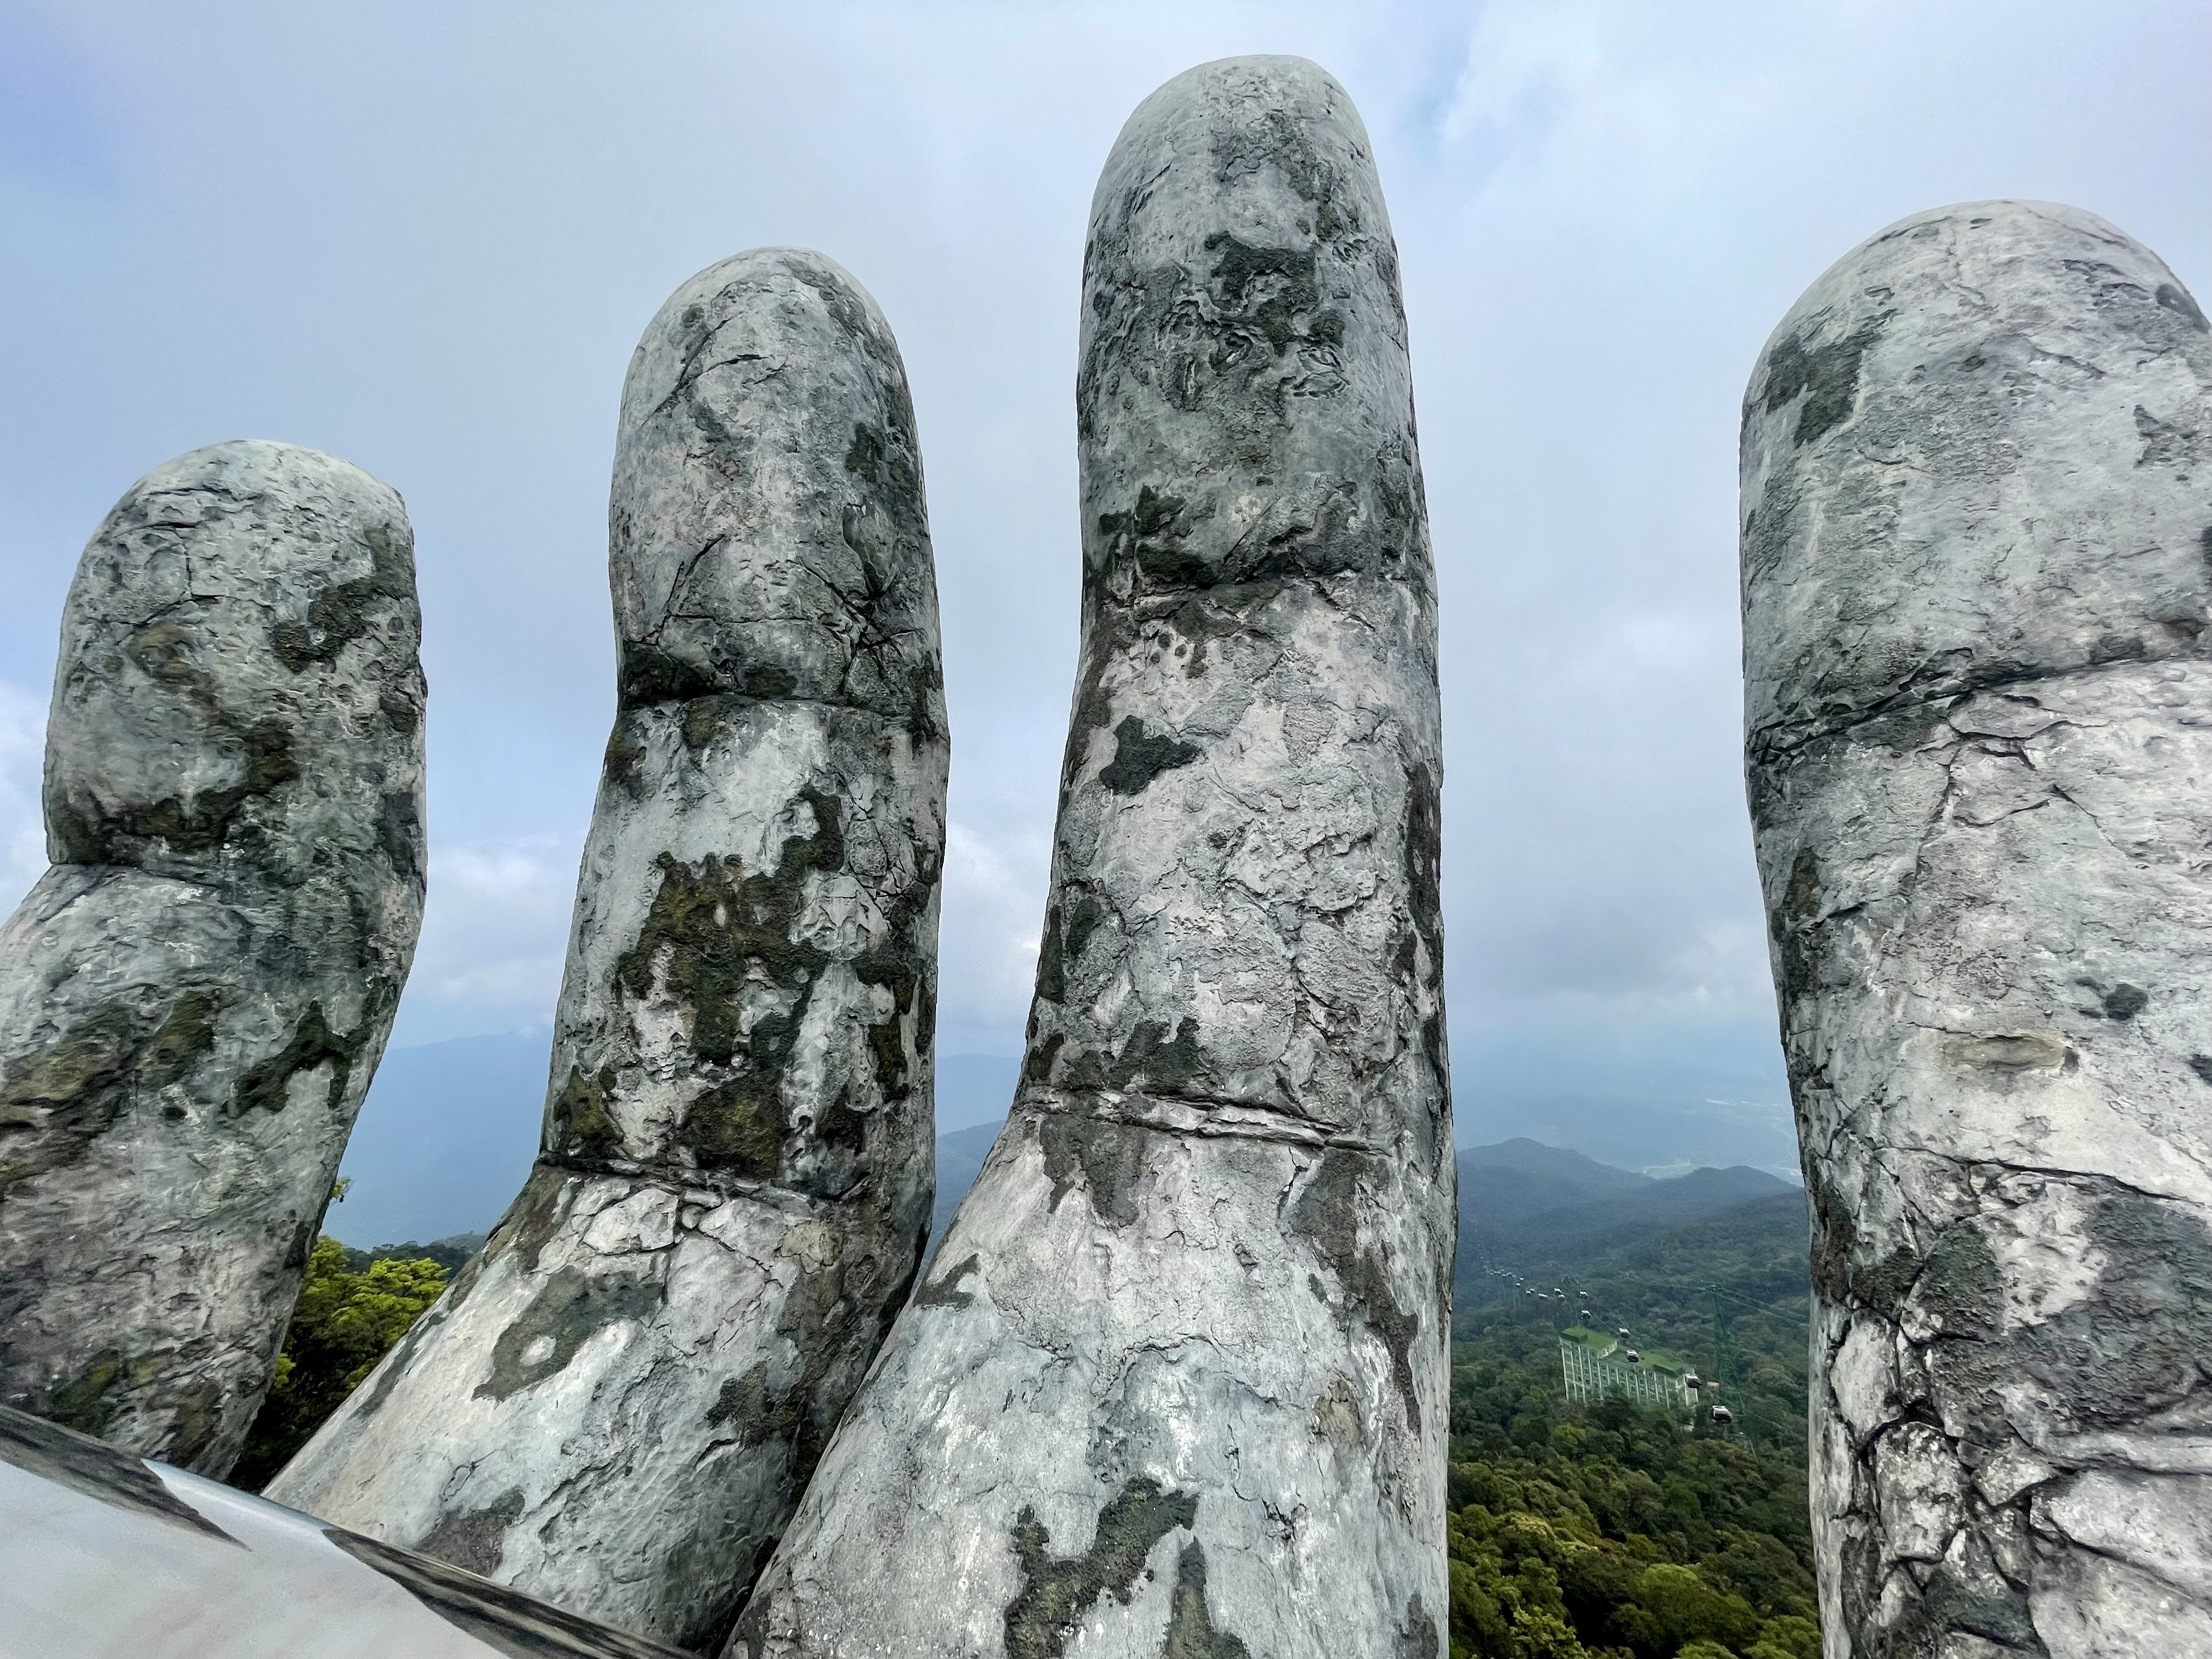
1608, 1532
353, 1305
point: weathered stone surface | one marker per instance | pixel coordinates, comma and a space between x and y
617, 1405
192, 999
1177, 1381
1976, 513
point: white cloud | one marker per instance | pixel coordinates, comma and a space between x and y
495, 936
1553, 89
995, 892
1602, 207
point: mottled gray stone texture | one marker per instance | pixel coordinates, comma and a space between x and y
617, 1404
1976, 513
1177, 1383
193, 998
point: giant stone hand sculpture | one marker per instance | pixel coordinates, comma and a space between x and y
1177, 1379
193, 998
616, 1404
1976, 517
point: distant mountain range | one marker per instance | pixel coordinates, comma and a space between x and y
1520, 1203
449, 1130
1662, 1134
1523, 1205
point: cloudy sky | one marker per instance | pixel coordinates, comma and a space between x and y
425, 237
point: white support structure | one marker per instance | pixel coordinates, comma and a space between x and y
1593, 1376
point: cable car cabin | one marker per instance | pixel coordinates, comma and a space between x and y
1622, 1332
1690, 1380
1633, 1357
1724, 1416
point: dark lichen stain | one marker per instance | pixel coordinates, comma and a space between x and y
399, 833
705, 1573
1961, 1283
702, 723
1424, 856
1063, 945
624, 766
716, 937
2164, 443
265, 1086
887, 464
2117, 648
1836, 1273
152, 1379
2133, 1348
944, 1292
1191, 1634
2178, 301
1269, 290
1990, 1609
208, 820
713, 931
532, 1220
2125, 1001
402, 707
742, 1403
577, 1120
2201, 1065
1421, 1639
474, 1539
1039, 1056
1792, 926
96, 1469
84, 1402
198, 1411
183, 1040
1138, 758
824, 1324
1149, 1060
1106, 1157
342, 613
645, 675
57, 1103
1057, 1591
1827, 375
738, 1128
1152, 1060
1151, 535
1328, 1214
570, 1309
1199, 624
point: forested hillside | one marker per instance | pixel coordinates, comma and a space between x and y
1606, 1531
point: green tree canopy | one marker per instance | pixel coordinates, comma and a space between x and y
346, 1320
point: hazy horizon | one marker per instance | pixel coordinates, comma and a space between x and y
426, 237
